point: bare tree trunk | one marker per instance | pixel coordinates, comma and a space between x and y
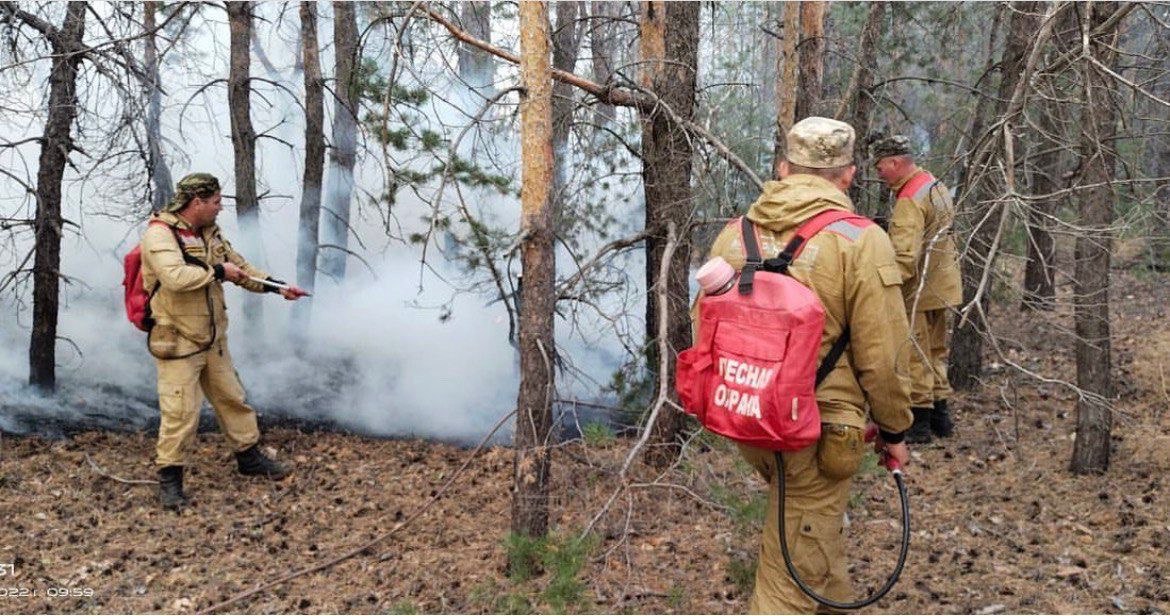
812, 58
336, 212
1160, 245
244, 141
1159, 250
602, 38
983, 104
966, 359
566, 41
156, 165
537, 342
56, 144
310, 210
787, 70
1091, 304
862, 99
673, 30
477, 67
652, 44
1040, 270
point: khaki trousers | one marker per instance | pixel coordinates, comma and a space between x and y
814, 510
928, 359
182, 384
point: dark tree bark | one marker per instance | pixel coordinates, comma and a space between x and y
156, 165
602, 40
811, 52
336, 213
477, 67
966, 359
862, 99
566, 42
310, 210
244, 141
1091, 303
1159, 251
1040, 269
537, 342
666, 174
56, 144
787, 75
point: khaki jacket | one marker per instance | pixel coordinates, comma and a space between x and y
856, 277
921, 231
188, 309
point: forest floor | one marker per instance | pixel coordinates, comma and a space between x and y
999, 523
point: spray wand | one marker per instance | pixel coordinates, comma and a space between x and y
274, 285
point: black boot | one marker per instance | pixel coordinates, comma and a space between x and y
170, 488
919, 433
940, 420
252, 461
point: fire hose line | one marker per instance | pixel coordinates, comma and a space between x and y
896, 471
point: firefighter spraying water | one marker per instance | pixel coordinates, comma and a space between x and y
183, 261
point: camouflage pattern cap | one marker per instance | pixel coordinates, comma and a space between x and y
820, 143
889, 145
191, 186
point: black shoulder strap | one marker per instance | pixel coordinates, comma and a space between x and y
780, 265
753, 262
188, 259
149, 320
833, 356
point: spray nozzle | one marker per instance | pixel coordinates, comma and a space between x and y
274, 285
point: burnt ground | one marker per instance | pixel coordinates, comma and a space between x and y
1000, 525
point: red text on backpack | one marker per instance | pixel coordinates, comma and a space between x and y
752, 374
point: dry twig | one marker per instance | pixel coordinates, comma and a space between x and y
101, 471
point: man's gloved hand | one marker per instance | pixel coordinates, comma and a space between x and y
233, 273
899, 452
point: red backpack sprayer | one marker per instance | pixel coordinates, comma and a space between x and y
752, 374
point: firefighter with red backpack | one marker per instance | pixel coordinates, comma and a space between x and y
921, 231
863, 347
184, 262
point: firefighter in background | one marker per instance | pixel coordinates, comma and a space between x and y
185, 261
921, 231
854, 272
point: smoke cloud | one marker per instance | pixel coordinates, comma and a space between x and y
376, 358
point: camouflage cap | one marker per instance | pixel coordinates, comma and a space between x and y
191, 186
881, 146
820, 143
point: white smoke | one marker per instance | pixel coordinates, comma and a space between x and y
377, 357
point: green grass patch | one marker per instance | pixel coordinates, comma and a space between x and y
561, 558
747, 512
524, 556
742, 573
676, 597
597, 434
403, 607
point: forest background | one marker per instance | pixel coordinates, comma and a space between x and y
413, 162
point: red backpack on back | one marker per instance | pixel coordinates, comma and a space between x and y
137, 299
752, 375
